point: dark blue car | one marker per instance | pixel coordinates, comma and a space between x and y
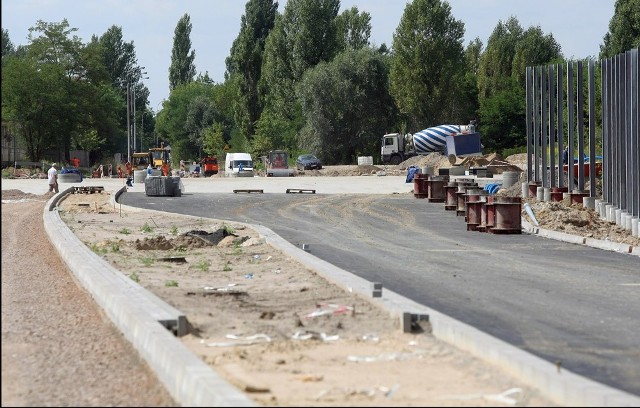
308, 162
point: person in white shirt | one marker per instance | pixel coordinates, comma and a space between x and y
52, 176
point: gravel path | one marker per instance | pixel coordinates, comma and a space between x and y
58, 348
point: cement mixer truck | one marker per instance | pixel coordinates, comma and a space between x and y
458, 140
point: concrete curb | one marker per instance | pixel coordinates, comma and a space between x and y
189, 380
576, 239
193, 383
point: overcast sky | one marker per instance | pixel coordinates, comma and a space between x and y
577, 25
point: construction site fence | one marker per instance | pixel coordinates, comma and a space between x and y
557, 113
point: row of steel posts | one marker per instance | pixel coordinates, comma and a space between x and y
617, 103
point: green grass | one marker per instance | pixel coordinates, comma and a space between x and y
146, 228
227, 267
171, 284
134, 277
228, 230
148, 261
115, 247
203, 265
98, 250
174, 230
125, 231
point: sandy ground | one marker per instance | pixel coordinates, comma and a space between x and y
58, 347
276, 329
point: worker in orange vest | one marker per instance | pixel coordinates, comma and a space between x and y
165, 169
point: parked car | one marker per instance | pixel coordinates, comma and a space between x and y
308, 162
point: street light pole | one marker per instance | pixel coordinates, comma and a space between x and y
134, 119
128, 123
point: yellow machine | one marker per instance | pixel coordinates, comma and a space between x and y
159, 155
140, 161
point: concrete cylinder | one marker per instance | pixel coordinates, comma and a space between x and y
540, 193
627, 221
565, 195
609, 210
589, 202
525, 190
617, 215
139, 176
634, 227
602, 209
427, 170
510, 178
547, 194
596, 205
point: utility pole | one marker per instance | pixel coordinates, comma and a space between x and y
134, 120
128, 122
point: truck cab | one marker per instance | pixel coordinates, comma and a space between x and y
210, 165
277, 164
395, 149
238, 165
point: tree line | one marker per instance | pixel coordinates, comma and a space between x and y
304, 80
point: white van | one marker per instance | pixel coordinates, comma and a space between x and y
238, 165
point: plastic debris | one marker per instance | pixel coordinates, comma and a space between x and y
504, 397
249, 276
383, 357
371, 337
220, 289
269, 257
246, 341
307, 335
329, 309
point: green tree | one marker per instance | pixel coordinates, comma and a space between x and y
496, 63
534, 48
245, 61
624, 29
501, 81
427, 65
302, 37
7, 45
347, 106
178, 110
468, 97
353, 29
121, 64
54, 92
213, 140
35, 105
182, 69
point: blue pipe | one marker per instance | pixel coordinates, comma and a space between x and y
492, 188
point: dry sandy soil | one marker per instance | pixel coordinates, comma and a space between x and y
282, 333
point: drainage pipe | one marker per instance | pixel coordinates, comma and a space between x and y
527, 207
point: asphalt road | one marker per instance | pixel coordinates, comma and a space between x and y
569, 304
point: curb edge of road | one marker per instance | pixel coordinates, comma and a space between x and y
192, 385
580, 240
